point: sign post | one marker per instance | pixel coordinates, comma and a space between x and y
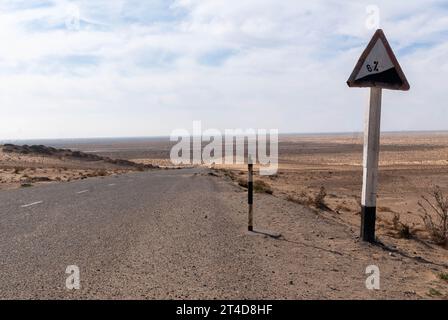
250, 195
370, 165
377, 68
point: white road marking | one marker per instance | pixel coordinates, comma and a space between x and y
83, 191
31, 204
111, 184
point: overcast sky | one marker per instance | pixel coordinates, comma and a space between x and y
142, 68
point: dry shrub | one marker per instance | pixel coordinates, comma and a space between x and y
243, 183
437, 222
101, 172
17, 170
262, 187
40, 179
304, 201
341, 207
259, 186
404, 230
317, 200
443, 276
26, 185
229, 173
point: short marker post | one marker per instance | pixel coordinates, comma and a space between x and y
370, 165
250, 195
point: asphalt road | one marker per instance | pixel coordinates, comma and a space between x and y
156, 234
181, 234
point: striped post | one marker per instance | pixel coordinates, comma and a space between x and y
250, 195
370, 165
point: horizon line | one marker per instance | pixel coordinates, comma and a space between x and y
2, 141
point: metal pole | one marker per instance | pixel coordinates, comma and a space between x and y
370, 165
250, 196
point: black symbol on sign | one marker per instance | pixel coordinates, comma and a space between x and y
375, 67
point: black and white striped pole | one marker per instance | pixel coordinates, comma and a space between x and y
377, 68
250, 194
370, 165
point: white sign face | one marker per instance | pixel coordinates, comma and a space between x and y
376, 62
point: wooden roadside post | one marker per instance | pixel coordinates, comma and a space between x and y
250, 194
250, 201
377, 68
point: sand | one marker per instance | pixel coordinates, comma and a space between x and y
26, 170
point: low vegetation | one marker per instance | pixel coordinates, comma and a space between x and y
317, 200
262, 187
434, 293
229, 173
101, 173
435, 216
443, 276
26, 185
403, 229
259, 186
17, 170
242, 183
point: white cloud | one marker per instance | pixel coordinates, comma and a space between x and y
148, 67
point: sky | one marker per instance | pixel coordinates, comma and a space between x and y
101, 68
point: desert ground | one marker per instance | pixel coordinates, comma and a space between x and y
25, 166
411, 165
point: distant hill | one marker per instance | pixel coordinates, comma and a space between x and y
67, 153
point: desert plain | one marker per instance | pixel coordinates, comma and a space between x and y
412, 165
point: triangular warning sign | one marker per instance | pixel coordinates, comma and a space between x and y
378, 67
